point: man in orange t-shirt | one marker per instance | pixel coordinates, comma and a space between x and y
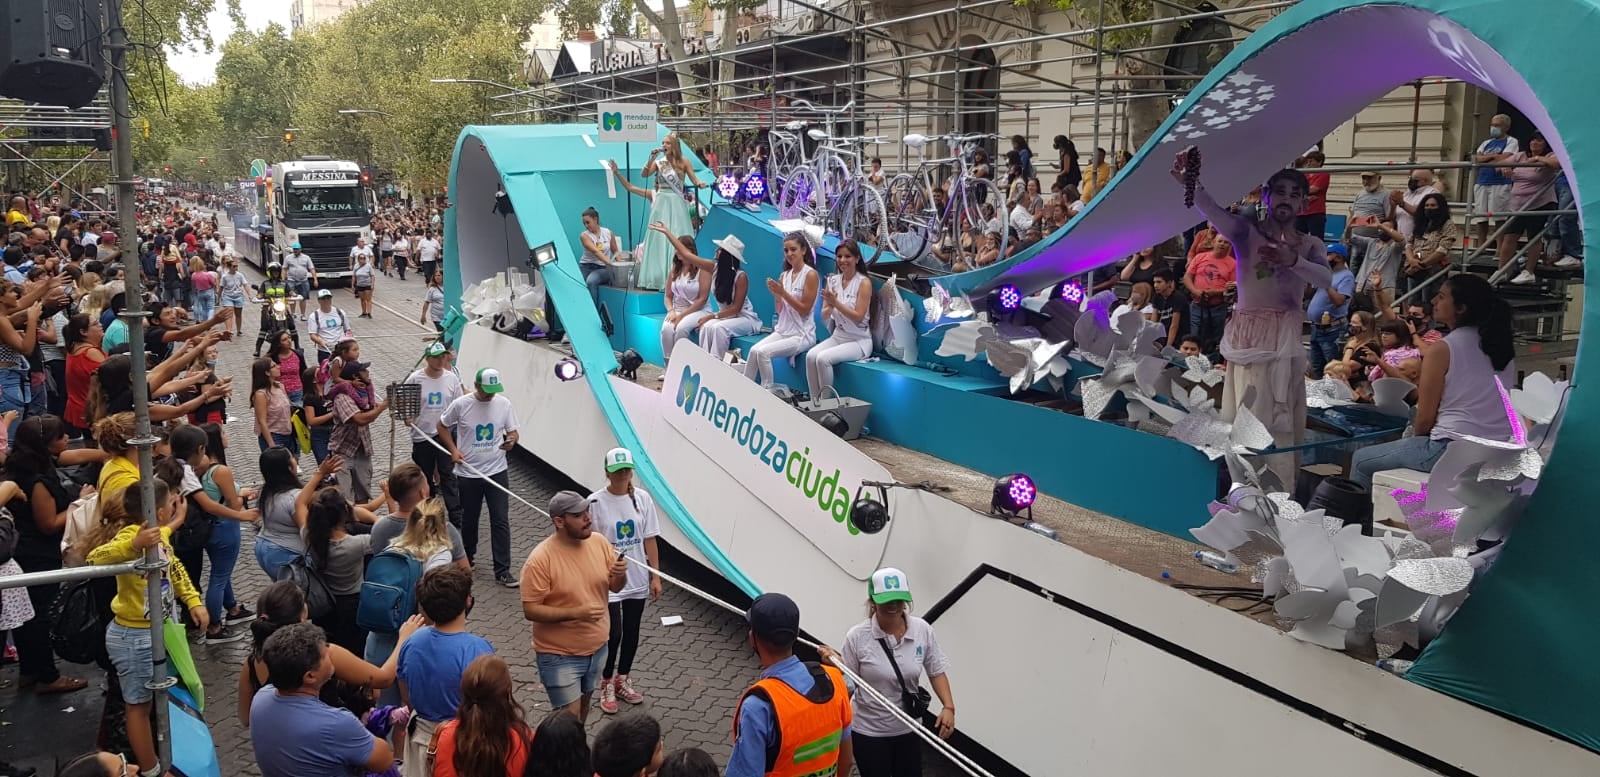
565, 586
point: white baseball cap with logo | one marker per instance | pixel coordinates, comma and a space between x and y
888, 585
489, 381
618, 458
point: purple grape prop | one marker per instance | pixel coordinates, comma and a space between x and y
1191, 174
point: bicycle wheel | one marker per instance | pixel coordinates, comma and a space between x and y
983, 211
861, 217
909, 217
810, 198
798, 188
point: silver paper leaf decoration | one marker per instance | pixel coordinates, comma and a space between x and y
1433, 576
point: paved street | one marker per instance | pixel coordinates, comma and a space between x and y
691, 674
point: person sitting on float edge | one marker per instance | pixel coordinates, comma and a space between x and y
777, 716
846, 303
688, 286
735, 316
1456, 395
600, 249
794, 293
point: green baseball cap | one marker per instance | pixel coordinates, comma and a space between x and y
888, 585
618, 458
437, 349
489, 381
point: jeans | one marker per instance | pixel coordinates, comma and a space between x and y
624, 640
569, 678
300, 288
205, 303
223, 550
1207, 323
441, 476
1324, 347
130, 651
16, 393
1566, 228
273, 557
596, 275
172, 296
320, 437
280, 441
1418, 453
474, 492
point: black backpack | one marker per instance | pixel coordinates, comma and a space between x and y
76, 632
303, 571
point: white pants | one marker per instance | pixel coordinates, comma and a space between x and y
820, 360
759, 368
416, 754
716, 334
672, 332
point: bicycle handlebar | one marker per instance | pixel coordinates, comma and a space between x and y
841, 109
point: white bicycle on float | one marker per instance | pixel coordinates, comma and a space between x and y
973, 206
809, 188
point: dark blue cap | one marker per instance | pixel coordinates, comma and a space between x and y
774, 618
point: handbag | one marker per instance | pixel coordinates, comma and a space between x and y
915, 703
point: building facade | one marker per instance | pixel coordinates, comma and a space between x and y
309, 13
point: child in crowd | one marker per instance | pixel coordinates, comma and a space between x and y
688, 762
128, 636
630, 746
433, 661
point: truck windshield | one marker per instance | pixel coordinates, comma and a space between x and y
323, 200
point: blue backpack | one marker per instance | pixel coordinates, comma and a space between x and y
388, 594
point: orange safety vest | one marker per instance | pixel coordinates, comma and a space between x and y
807, 727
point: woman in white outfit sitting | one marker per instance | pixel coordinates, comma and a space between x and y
846, 303
795, 292
687, 289
735, 316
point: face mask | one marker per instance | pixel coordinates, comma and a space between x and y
1413, 184
1495, 132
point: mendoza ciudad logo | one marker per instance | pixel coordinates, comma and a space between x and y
612, 121
744, 430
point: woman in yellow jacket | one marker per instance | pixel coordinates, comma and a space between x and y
128, 636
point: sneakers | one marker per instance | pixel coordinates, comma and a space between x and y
608, 695
626, 692
1569, 263
507, 580
223, 636
244, 615
1525, 278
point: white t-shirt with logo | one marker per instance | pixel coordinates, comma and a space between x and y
437, 394
627, 527
479, 429
428, 250
357, 252
331, 325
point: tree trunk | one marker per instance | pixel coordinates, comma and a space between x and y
725, 46
667, 23
1145, 114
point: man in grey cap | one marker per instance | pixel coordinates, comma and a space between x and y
777, 727
566, 584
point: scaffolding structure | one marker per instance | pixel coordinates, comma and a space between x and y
27, 128
993, 72
848, 56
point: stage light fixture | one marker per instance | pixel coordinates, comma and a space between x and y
502, 203
1004, 301
755, 186
544, 254
727, 186
628, 364
568, 370
1013, 494
869, 515
1071, 292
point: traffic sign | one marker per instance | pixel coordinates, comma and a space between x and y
258, 168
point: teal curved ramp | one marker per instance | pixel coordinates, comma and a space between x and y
551, 173
1522, 643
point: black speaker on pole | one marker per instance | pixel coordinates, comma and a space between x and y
50, 51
